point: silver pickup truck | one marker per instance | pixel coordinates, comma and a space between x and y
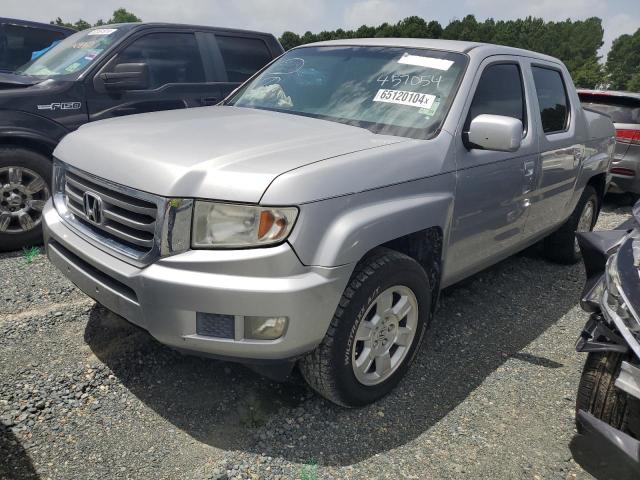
313, 218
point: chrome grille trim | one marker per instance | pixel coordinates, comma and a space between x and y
133, 222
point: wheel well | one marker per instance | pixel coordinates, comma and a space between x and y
599, 183
425, 247
31, 144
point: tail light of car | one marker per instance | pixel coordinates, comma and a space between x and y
625, 172
628, 136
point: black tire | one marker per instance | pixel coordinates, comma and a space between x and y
560, 246
598, 395
41, 165
596, 391
328, 369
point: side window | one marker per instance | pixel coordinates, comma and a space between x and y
242, 56
552, 98
22, 44
171, 57
499, 92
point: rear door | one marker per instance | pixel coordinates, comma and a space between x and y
237, 56
562, 146
178, 77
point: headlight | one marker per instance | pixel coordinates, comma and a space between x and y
614, 298
225, 225
612, 278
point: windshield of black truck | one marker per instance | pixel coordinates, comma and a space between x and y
391, 90
74, 54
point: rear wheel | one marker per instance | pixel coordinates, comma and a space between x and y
25, 177
562, 245
375, 332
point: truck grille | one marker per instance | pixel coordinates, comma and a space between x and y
127, 221
124, 218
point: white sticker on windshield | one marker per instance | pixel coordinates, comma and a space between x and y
401, 97
427, 62
102, 31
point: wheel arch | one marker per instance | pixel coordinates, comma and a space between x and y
425, 247
28, 140
599, 183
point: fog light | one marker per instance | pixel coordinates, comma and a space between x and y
264, 328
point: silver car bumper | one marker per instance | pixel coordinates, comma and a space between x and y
163, 298
630, 162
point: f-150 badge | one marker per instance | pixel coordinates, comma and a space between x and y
61, 106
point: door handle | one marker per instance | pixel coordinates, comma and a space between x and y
209, 100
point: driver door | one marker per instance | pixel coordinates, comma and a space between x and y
176, 77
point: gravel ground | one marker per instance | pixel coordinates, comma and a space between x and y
84, 394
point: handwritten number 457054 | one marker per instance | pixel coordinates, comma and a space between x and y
396, 80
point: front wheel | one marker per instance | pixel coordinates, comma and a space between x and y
25, 177
375, 332
598, 395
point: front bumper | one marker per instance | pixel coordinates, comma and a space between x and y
163, 298
599, 335
605, 434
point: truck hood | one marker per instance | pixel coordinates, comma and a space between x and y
222, 153
10, 81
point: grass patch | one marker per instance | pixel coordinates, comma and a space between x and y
29, 254
309, 471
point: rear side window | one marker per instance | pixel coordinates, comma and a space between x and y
242, 56
552, 99
19, 45
499, 92
172, 58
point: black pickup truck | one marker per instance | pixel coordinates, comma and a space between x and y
101, 73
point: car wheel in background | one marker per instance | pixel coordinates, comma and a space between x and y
562, 245
375, 332
25, 179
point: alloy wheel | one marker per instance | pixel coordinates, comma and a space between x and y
385, 335
23, 194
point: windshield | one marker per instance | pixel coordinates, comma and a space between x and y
73, 54
396, 91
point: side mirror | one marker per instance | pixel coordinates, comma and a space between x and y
495, 132
126, 76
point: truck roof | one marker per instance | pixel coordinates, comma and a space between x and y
140, 25
470, 48
29, 23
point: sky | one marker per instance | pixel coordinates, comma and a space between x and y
276, 16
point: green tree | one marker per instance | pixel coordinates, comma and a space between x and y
634, 83
120, 15
623, 63
288, 40
589, 75
79, 25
